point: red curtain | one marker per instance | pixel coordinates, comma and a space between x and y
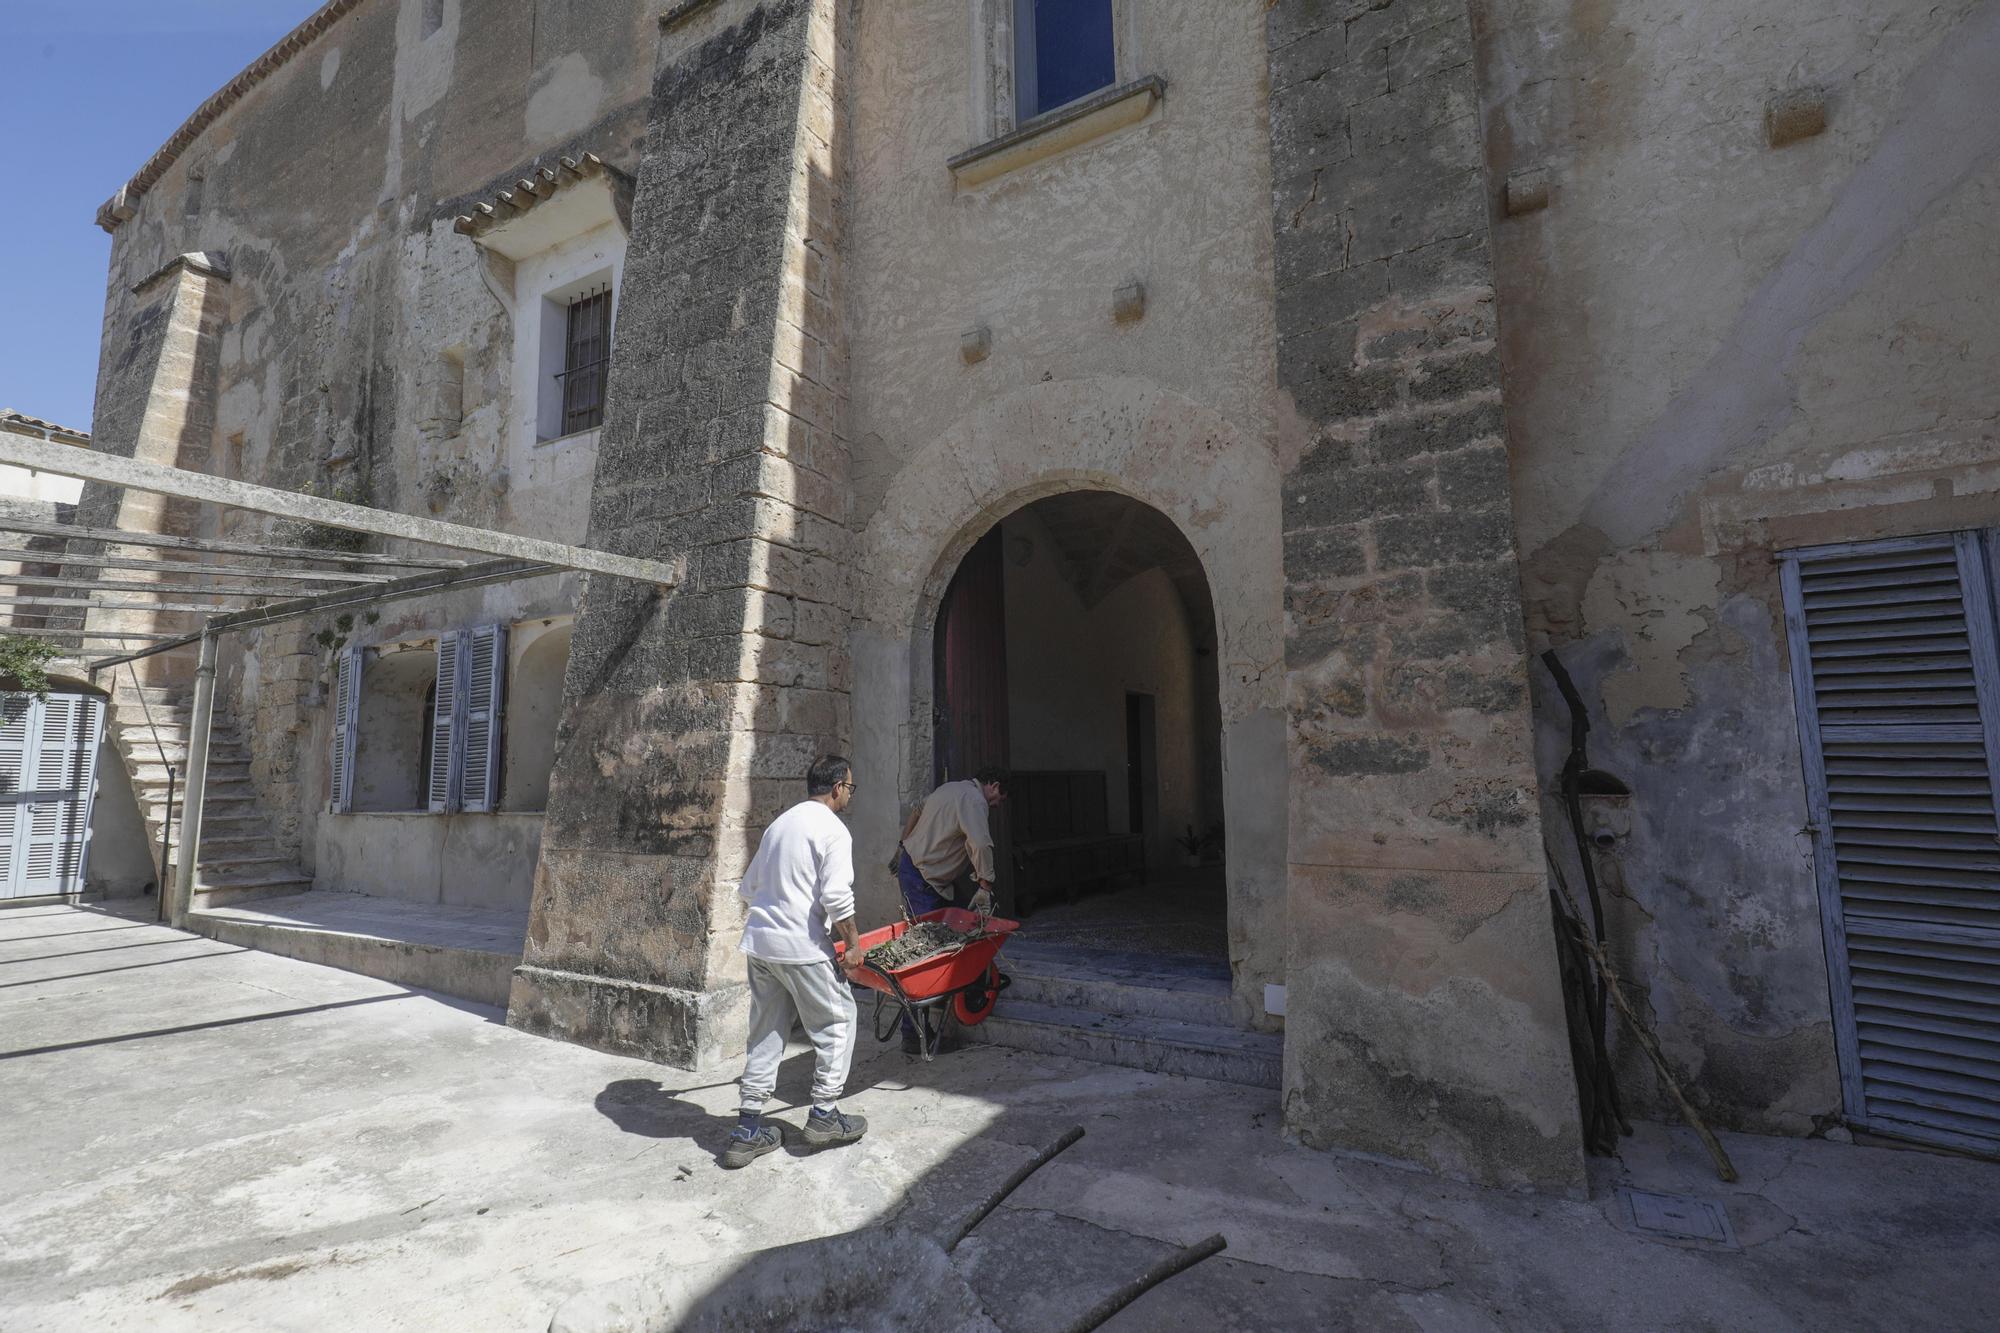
970, 718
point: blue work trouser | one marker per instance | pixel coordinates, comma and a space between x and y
919, 897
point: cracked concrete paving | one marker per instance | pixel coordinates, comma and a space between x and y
200, 1136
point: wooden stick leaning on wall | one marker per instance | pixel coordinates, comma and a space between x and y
1615, 986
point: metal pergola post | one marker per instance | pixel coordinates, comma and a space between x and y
195, 796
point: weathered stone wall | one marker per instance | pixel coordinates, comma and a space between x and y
329, 190
1716, 349
1424, 1017
689, 721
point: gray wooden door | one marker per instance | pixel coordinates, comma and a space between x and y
48, 783
1898, 689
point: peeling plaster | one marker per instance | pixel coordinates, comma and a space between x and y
1658, 599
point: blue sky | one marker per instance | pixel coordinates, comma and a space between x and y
92, 88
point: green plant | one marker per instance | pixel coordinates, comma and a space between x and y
24, 663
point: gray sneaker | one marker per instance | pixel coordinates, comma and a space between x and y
834, 1127
746, 1147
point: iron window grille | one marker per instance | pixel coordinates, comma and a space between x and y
586, 353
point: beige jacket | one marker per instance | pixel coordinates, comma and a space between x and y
952, 833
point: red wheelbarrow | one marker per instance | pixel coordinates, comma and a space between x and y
963, 976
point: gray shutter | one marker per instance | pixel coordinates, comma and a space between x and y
441, 790
17, 721
1898, 691
346, 727
485, 684
60, 768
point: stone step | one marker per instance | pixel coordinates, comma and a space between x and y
1157, 1045
285, 874
225, 895
154, 694
213, 865
1060, 985
142, 749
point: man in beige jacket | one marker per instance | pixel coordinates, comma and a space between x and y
946, 837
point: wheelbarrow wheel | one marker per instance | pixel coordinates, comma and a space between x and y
971, 1005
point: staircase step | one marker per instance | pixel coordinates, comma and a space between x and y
254, 877
1201, 1000
225, 895
1157, 1045
213, 868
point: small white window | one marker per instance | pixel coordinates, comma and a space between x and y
1063, 50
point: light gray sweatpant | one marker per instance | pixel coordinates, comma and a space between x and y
815, 994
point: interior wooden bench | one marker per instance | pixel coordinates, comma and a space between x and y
1062, 845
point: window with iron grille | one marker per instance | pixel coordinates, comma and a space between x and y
586, 354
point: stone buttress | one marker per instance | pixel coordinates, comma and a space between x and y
689, 719
1424, 1016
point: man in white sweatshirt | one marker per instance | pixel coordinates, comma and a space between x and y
800, 892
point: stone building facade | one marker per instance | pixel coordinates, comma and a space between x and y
1427, 334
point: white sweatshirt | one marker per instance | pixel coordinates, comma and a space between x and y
800, 882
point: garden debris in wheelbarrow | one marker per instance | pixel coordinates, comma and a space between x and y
951, 964
921, 941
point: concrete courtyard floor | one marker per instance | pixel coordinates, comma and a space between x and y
198, 1136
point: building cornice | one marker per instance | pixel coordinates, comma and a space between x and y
125, 204
20, 423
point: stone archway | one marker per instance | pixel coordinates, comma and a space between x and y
1133, 438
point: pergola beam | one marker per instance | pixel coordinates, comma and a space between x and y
68, 461
37, 582
76, 604
213, 545
49, 632
14, 555
417, 585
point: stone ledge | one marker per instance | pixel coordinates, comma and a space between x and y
206, 263
682, 12
1060, 130
687, 1029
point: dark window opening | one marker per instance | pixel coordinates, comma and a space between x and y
586, 353
1063, 50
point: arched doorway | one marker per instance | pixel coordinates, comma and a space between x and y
1076, 646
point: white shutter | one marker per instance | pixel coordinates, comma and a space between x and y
61, 765
441, 793
485, 685
346, 727
1898, 689
17, 717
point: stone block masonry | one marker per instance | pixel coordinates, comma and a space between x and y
689, 719
1425, 1020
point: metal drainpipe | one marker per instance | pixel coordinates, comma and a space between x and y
194, 798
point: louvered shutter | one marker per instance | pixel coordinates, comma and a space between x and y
1898, 691
485, 684
346, 727
60, 768
439, 782
17, 717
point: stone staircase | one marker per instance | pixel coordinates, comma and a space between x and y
238, 860
1166, 1016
